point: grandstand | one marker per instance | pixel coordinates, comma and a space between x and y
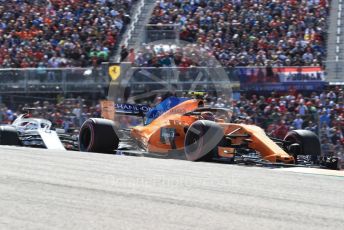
252, 33
51, 49
58, 33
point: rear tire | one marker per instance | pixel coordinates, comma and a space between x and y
202, 140
98, 135
9, 136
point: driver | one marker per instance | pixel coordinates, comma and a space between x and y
207, 116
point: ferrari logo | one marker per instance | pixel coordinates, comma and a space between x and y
115, 71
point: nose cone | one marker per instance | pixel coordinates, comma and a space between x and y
280, 159
285, 159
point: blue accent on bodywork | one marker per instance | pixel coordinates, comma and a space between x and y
162, 107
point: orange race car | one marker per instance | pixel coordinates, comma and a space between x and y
187, 129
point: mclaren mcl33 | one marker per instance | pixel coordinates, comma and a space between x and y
187, 129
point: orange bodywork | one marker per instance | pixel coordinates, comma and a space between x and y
259, 141
150, 135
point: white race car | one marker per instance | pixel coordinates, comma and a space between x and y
36, 132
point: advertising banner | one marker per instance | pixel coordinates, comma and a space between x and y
281, 78
300, 74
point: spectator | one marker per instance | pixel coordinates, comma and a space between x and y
131, 55
124, 53
281, 130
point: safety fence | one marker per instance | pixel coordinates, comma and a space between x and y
208, 79
141, 79
53, 80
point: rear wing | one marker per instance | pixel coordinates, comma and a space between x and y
109, 109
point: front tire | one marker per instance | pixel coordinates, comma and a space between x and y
202, 140
98, 135
9, 136
308, 142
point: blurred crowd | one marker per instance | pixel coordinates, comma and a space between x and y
60, 33
65, 113
251, 32
322, 113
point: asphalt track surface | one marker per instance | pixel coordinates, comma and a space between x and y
41, 189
